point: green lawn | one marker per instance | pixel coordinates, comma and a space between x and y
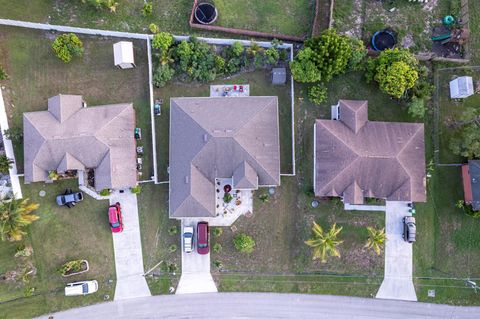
474, 24
61, 234
154, 226
260, 85
281, 16
36, 74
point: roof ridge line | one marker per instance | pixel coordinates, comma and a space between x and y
254, 116
336, 137
112, 119
343, 170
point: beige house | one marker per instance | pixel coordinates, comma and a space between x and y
356, 158
217, 137
72, 137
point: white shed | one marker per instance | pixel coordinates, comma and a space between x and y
461, 87
123, 55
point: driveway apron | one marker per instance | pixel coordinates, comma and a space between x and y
128, 250
196, 277
397, 283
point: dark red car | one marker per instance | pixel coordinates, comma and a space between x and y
202, 238
115, 218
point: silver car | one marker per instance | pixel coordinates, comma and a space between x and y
409, 229
187, 239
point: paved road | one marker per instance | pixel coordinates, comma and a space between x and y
257, 305
196, 277
397, 282
128, 251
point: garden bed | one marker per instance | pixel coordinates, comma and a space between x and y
84, 267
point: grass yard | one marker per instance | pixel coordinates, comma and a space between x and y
474, 24
59, 235
37, 74
156, 240
260, 85
450, 110
281, 16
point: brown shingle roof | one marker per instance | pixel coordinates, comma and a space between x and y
69, 136
210, 138
357, 158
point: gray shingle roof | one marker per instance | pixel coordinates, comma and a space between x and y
357, 158
210, 138
69, 136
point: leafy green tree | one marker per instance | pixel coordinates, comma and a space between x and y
15, 134
3, 74
14, 216
467, 144
317, 94
416, 107
359, 52
199, 61
244, 243
67, 46
395, 70
162, 41
303, 67
324, 244
5, 164
376, 239
162, 75
331, 53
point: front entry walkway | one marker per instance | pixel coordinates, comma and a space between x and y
128, 250
196, 277
397, 283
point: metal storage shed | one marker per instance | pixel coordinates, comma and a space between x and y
279, 76
123, 55
461, 87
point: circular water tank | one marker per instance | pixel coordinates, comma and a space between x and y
206, 13
383, 40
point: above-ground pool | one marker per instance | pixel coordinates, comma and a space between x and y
383, 40
206, 13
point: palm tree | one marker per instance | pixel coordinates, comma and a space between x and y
5, 164
14, 215
376, 239
254, 49
324, 244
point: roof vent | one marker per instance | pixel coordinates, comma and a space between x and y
474, 180
186, 179
205, 138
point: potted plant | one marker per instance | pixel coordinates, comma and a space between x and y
227, 198
74, 267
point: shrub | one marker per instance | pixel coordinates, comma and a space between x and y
217, 231
67, 46
153, 28
217, 248
173, 230
3, 74
103, 4
219, 64
28, 292
218, 264
271, 56
244, 243
235, 50
147, 9
359, 52
317, 94
198, 61
233, 66
172, 248
70, 267
105, 192
136, 189
15, 134
227, 198
162, 41
23, 251
263, 198
172, 268
303, 67
53, 175
5, 164
162, 75
416, 107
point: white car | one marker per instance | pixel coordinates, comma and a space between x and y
81, 288
188, 239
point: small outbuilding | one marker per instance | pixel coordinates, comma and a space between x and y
123, 55
279, 76
461, 87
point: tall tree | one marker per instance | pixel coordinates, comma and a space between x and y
376, 239
14, 216
324, 244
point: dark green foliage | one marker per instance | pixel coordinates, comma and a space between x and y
317, 94
235, 50
467, 144
147, 9
303, 68
227, 198
5, 164
162, 41
217, 231
67, 46
416, 107
15, 134
217, 248
200, 63
359, 52
3, 74
102, 4
272, 56
173, 230
162, 75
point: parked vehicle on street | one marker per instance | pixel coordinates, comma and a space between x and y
69, 198
115, 218
202, 238
188, 239
81, 288
409, 229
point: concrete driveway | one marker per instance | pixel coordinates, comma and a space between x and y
397, 283
128, 250
196, 277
